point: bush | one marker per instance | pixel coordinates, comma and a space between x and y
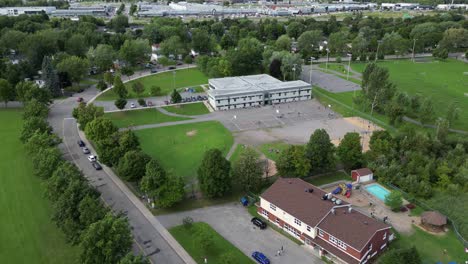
394, 200
338, 59
363, 57
101, 85
187, 222
141, 102
188, 59
120, 103
127, 71
155, 90
371, 56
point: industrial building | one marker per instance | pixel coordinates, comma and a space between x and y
254, 90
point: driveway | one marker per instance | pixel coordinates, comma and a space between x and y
232, 221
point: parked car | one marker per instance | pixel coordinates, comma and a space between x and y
179, 63
258, 222
97, 166
85, 150
81, 143
148, 65
132, 105
92, 158
172, 67
153, 70
149, 103
260, 258
166, 102
79, 99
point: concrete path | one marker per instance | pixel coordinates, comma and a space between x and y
232, 149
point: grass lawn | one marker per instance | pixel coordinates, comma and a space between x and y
187, 238
443, 81
417, 211
27, 235
431, 247
338, 67
165, 80
235, 156
273, 150
188, 109
180, 148
140, 117
328, 178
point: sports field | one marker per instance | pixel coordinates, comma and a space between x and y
140, 117
180, 148
165, 80
27, 234
443, 81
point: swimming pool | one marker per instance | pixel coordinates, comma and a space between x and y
378, 191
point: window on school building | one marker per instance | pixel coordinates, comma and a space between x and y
337, 242
264, 212
308, 228
297, 221
273, 207
320, 233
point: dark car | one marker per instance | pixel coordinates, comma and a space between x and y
79, 99
97, 166
153, 70
258, 222
81, 143
260, 258
172, 67
179, 63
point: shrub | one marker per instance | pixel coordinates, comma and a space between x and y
120, 103
187, 222
338, 59
141, 102
101, 85
155, 90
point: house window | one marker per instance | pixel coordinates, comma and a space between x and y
297, 222
292, 230
320, 232
235, 99
264, 212
308, 228
277, 220
279, 94
219, 101
273, 207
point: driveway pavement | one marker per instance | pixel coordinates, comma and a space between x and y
232, 221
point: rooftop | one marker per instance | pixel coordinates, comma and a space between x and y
363, 171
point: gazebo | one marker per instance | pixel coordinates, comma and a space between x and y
433, 221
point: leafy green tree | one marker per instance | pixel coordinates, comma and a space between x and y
106, 241
440, 53
41, 140
171, 192
217, 29
108, 150
75, 67
34, 108
175, 97
283, 43
380, 144
56, 185
350, 151
138, 88
101, 85
407, 256
119, 23
442, 129
128, 141
132, 165
36, 46
50, 77
426, 35
100, 128
133, 9
108, 78
320, 151
33, 124
155, 177
173, 46
202, 41
103, 57
394, 43
275, 68
7, 91
291, 66
376, 87
25, 91
120, 103
454, 39
248, 170
132, 259
293, 162
119, 88
426, 114
134, 51
214, 174
295, 29
75, 45
86, 113
394, 200
337, 42
155, 90
308, 42
46, 161
247, 58
91, 210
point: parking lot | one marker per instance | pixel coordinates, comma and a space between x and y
232, 221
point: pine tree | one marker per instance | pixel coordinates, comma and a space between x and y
50, 77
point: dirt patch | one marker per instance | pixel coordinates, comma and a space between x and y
191, 133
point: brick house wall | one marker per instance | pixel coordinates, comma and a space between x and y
379, 242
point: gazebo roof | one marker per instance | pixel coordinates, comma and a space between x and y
434, 218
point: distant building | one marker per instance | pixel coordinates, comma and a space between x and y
254, 90
26, 10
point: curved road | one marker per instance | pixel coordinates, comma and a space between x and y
151, 238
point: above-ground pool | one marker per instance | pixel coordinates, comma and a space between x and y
377, 190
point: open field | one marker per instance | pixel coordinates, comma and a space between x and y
180, 148
140, 117
165, 80
273, 150
443, 81
431, 247
237, 152
328, 178
216, 253
27, 235
188, 109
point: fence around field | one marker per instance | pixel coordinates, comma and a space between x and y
413, 200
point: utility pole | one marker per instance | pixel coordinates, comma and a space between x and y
414, 44
349, 65
311, 58
328, 58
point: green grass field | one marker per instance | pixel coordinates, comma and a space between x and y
431, 247
328, 178
235, 156
165, 80
180, 148
188, 109
186, 237
27, 235
140, 117
443, 81
273, 150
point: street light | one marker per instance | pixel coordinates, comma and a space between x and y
310, 78
328, 58
349, 65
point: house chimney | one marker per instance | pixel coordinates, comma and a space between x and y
350, 209
365, 222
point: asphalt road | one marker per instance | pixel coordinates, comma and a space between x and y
327, 81
147, 237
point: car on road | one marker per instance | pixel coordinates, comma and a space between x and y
172, 67
132, 105
258, 222
85, 150
81, 143
149, 103
97, 166
92, 158
79, 99
260, 258
179, 63
153, 70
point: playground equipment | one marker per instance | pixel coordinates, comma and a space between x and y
337, 190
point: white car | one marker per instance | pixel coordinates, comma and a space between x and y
132, 105
92, 158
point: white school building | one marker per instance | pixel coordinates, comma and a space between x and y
254, 90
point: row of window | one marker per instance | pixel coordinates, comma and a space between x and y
337, 242
286, 93
292, 230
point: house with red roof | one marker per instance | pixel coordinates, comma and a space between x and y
329, 226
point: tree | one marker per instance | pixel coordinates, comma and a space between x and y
154, 178
127, 140
75, 45
56, 185
155, 90
171, 192
102, 56
33, 124
201, 41
294, 29
132, 165
320, 150
120, 103
455, 39
119, 88
275, 68
119, 23
442, 130
41, 140
217, 29
440, 53
108, 78
246, 58
337, 42
407, 256
291, 66
138, 88
394, 43
426, 114
34, 108
86, 113
132, 259
100, 128
308, 42
247, 170
135, 50
283, 43
214, 174
75, 67
173, 46
45, 161
133, 9
7, 91
50, 77
427, 35
91, 210
101, 85
293, 162
376, 87
106, 241
175, 97
108, 150
394, 200
350, 151
452, 112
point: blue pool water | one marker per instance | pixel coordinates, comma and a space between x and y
378, 191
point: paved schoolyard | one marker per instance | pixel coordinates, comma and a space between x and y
232, 221
327, 81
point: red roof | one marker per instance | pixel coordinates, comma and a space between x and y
363, 171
